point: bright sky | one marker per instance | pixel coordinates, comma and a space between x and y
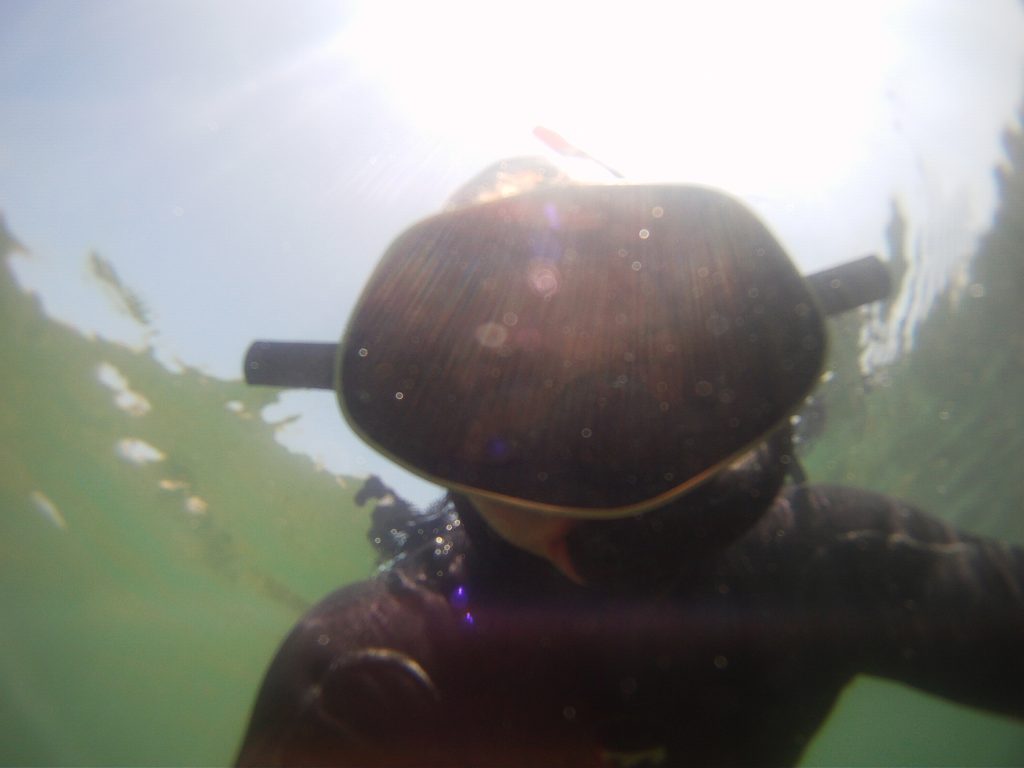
243, 164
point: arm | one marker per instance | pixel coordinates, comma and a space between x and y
909, 597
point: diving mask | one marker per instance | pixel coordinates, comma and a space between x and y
583, 350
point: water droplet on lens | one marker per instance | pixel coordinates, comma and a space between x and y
491, 335
717, 324
544, 279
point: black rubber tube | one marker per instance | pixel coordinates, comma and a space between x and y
311, 365
851, 284
298, 364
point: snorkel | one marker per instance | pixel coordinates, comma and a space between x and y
313, 364
579, 350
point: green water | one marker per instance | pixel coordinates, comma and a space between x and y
140, 603
136, 626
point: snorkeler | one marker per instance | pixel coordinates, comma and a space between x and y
621, 574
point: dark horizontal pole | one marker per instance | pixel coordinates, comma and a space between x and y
851, 284
298, 364
311, 365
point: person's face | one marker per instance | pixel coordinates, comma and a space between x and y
539, 533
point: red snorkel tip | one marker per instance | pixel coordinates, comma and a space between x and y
558, 143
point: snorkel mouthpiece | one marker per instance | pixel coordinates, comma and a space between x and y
590, 350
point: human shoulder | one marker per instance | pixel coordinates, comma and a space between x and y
393, 604
362, 656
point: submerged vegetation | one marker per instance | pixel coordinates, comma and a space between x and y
943, 426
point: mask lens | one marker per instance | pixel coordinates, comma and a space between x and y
589, 348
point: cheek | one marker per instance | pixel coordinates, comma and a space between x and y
539, 534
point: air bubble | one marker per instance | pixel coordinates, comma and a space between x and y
657, 211
363, 352
644, 234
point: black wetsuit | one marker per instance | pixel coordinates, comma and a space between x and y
704, 644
